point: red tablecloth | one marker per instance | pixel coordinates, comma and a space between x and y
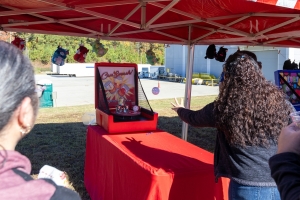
148, 166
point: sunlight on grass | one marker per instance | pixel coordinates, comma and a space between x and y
59, 136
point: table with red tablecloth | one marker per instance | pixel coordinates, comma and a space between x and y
148, 166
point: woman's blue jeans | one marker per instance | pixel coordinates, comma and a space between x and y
244, 192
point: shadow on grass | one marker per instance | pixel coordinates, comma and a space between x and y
61, 145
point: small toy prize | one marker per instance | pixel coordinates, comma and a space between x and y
221, 55
211, 52
19, 43
99, 48
59, 56
81, 54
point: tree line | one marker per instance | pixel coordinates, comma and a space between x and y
40, 47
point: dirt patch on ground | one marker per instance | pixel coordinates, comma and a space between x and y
39, 67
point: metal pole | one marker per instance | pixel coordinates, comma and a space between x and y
188, 86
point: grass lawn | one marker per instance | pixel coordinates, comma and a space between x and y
58, 138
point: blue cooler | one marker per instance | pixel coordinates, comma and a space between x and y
46, 99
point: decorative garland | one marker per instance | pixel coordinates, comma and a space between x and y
81, 54
151, 58
99, 48
59, 56
19, 43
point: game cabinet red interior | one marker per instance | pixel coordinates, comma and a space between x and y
115, 83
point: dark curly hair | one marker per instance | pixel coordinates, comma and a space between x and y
250, 110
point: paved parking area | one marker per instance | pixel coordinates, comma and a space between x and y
72, 91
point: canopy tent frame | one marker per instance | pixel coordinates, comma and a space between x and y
222, 29
188, 84
149, 26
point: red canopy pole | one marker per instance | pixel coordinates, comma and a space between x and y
188, 83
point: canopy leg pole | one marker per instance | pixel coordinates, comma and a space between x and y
188, 86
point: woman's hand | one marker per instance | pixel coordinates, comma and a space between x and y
289, 139
176, 105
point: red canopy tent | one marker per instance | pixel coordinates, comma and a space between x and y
162, 21
187, 22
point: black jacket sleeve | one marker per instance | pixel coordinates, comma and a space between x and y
199, 118
62, 193
285, 170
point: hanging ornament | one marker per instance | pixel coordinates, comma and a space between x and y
19, 43
99, 48
151, 58
59, 56
81, 54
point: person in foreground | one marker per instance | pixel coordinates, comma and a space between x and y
285, 165
18, 110
248, 113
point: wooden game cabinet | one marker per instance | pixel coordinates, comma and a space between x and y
112, 123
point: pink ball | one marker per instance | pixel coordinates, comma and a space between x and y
155, 90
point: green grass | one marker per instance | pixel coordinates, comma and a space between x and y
58, 138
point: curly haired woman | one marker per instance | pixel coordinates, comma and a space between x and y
249, 114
